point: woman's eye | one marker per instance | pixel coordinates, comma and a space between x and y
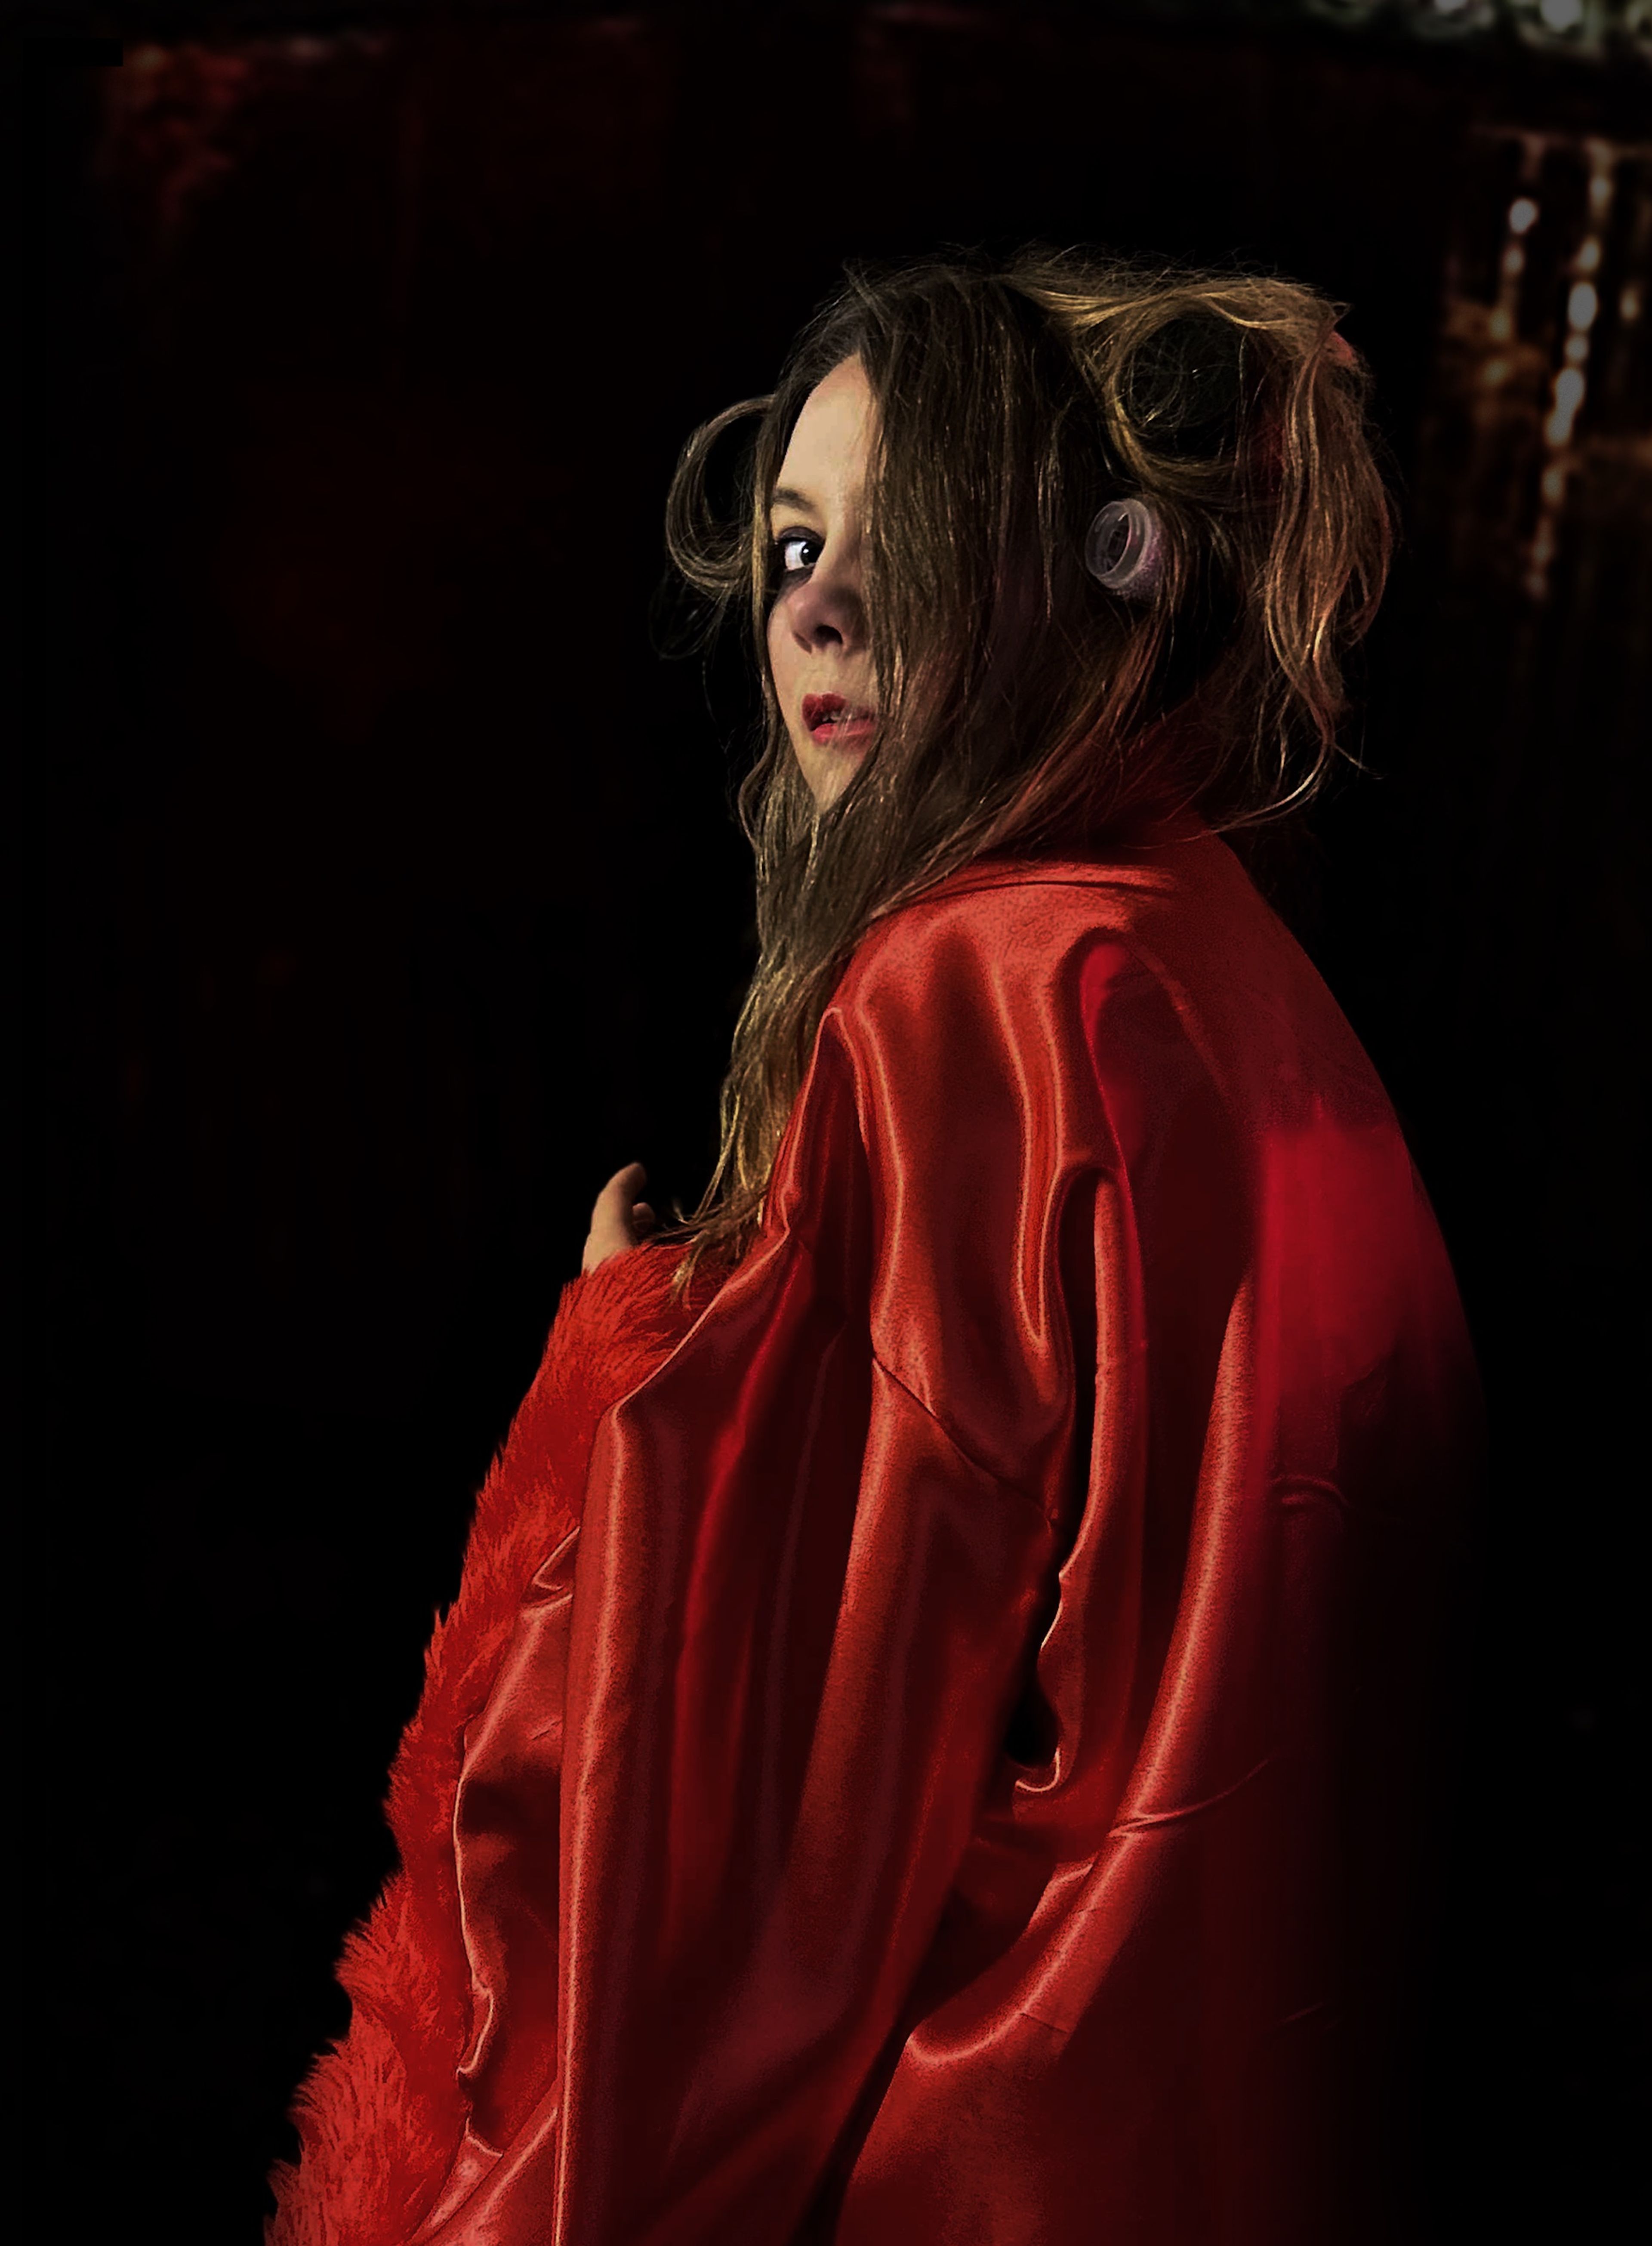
797, 550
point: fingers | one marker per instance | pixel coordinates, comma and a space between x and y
618, 1219
617, 1195
631, 1175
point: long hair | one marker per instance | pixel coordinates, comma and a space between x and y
1021, 707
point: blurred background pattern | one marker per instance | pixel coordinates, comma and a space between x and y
395, 898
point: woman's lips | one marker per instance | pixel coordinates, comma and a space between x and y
831, 722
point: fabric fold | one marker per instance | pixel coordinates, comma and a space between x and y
943, 1758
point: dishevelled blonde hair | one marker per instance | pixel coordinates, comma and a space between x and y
1023, 708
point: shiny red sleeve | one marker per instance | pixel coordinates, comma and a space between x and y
803, 1609
962, 1771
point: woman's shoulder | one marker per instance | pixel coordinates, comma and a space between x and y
1160, 904
1167, 945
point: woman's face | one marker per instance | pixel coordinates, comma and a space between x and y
819, 653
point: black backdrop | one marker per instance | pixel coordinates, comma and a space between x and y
393, 901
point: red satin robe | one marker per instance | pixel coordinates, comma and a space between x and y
957, 1780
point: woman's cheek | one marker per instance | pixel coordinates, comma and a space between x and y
783, 670
779, 644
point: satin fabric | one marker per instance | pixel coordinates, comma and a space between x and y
957, 1782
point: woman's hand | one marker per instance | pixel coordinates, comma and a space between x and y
619, 1221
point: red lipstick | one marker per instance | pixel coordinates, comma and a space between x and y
830, 722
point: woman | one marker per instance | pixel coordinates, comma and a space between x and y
927, 1745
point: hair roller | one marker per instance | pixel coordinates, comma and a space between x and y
1124, 548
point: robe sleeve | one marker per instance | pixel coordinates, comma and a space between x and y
816, 1548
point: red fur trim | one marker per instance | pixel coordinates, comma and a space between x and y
380, 2116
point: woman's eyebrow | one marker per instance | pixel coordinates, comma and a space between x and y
784, 495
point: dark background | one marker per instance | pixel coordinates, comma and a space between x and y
393, 898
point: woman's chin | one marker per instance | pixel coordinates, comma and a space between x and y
828, 770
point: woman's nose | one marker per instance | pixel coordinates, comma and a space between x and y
828, 610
